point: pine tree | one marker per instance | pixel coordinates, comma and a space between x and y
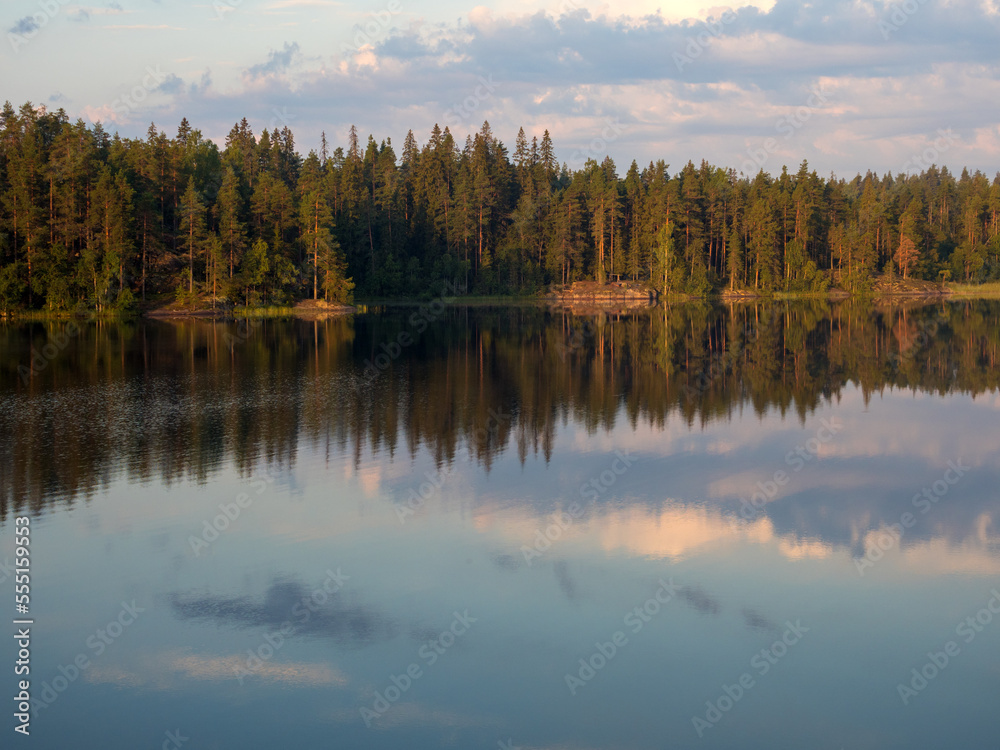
192, 220
232, 231
666, 259
337, 285
735, 267
315, 219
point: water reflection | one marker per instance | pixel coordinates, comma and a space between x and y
290, 602
174, 402
546, 474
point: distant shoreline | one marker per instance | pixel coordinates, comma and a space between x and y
606, 298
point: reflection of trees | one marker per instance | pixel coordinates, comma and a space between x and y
168, 402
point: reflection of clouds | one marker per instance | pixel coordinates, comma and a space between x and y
676, 532
699, 599
940, 556
566, 584
756, 621
961, 428
964, 516
370, 479
339, 619
225, 667
825, 510
986, 529
371, 475
506, 562
721, 447
405, 714
122, 677
172, 669
744, 484
803, 549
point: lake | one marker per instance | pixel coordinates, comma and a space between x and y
732, 526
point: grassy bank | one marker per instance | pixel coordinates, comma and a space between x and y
28, 316
269, 311
989, 290
468, 299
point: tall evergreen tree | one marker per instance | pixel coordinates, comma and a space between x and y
192, 220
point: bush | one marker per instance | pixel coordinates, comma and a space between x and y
125, 303
698, 284
12, 288
184, 297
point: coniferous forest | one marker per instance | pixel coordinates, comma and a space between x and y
95, 220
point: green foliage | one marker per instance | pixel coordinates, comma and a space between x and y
12, 287
125, 304
84, 216
338, 288
860, 282
255, 270
264, 311
697, 283
967, 261
816, 279
667, 269
184, 297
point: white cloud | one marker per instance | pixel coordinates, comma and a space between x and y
568, 73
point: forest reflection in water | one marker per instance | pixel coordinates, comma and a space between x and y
155, 401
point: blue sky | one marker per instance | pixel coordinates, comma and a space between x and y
850, 86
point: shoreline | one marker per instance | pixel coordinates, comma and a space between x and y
603, 299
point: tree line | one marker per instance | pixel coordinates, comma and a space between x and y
96, 220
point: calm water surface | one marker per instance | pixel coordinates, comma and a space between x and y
708, 527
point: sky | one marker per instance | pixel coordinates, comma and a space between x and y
848, 86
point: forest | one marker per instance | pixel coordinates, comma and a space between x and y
94, 221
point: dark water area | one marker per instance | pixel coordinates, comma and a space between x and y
755, 525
